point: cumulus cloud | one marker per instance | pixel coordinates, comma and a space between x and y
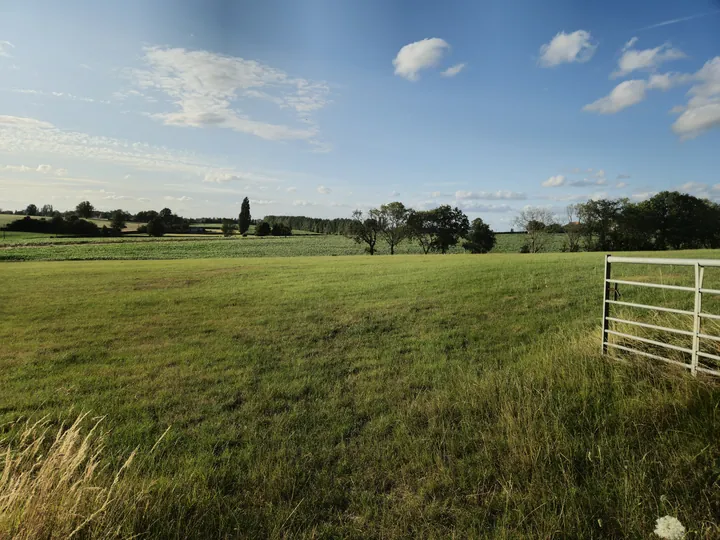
453, 70
646, 59
44, 169
624, 95
23, 123
702, 112
423, 54
489, 195
554, 181
600, 181
5, 47
567, 48
324, 190
203, 86
621, 184
642, 196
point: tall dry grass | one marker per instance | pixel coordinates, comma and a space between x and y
53, 484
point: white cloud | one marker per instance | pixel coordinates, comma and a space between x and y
567, 48
324, 190
624, 95
643, 195
5, 47
646, 59
303, 203
702, 112
621, 185
63, 95
600, 173
665, 81
419, 55
435, 194
479, 207
291, 189
44, 169
203, 86
554, 181
588, 182
61, 172
489, 195
453, 70
632, 41
18, 168
395, 194
622, 177
183, 198
23, 123
221, 176
262, 202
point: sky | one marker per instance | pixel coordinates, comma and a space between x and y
321, 107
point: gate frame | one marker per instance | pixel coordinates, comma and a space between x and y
697, 313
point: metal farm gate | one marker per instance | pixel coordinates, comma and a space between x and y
697, 314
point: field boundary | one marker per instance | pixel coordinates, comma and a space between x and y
610, 286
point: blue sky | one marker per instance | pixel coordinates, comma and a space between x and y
318, 108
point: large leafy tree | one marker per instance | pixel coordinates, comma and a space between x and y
31, 210
84, 209
394, 217
244, 218
366, 229
156, 226
599, 220
438, 229
117, 221
481, 238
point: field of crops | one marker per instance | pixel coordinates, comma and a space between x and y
47, 247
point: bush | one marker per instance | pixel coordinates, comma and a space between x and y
56, 225
227, 227
155, 227
262, 228
280, 229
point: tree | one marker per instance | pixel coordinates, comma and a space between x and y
394, 217
117, 221
599, 222
481, 238
262, 228
166, 215
366, 230
156, 226
47, 210
420, 226
227, 227
280, 229
84, 209
31, 210
144, 216
244, 218
534, 221
438, 229
573, 228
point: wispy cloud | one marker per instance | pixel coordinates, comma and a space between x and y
453, 70
678, 20
5, 47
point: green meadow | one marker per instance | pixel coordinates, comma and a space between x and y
357, 397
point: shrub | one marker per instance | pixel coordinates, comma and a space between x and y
262, 228
280, 229
155, 227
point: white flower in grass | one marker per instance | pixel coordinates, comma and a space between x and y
670, 528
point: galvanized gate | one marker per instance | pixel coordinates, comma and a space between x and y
697, 314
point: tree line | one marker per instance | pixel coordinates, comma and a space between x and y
668, 220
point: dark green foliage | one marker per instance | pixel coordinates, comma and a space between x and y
262, 228
438, 229
145, 216
316, 225
117, 221
280, 229
227, 227
84, 209
554, 228
57, 225
244, 218
31, 210
481, 239
47, 210
156, 227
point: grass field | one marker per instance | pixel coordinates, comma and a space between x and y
407, 396
27, 246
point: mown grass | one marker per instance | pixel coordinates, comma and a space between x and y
194, 247
364, 396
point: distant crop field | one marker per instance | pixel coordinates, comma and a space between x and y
361, 397
47, 247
